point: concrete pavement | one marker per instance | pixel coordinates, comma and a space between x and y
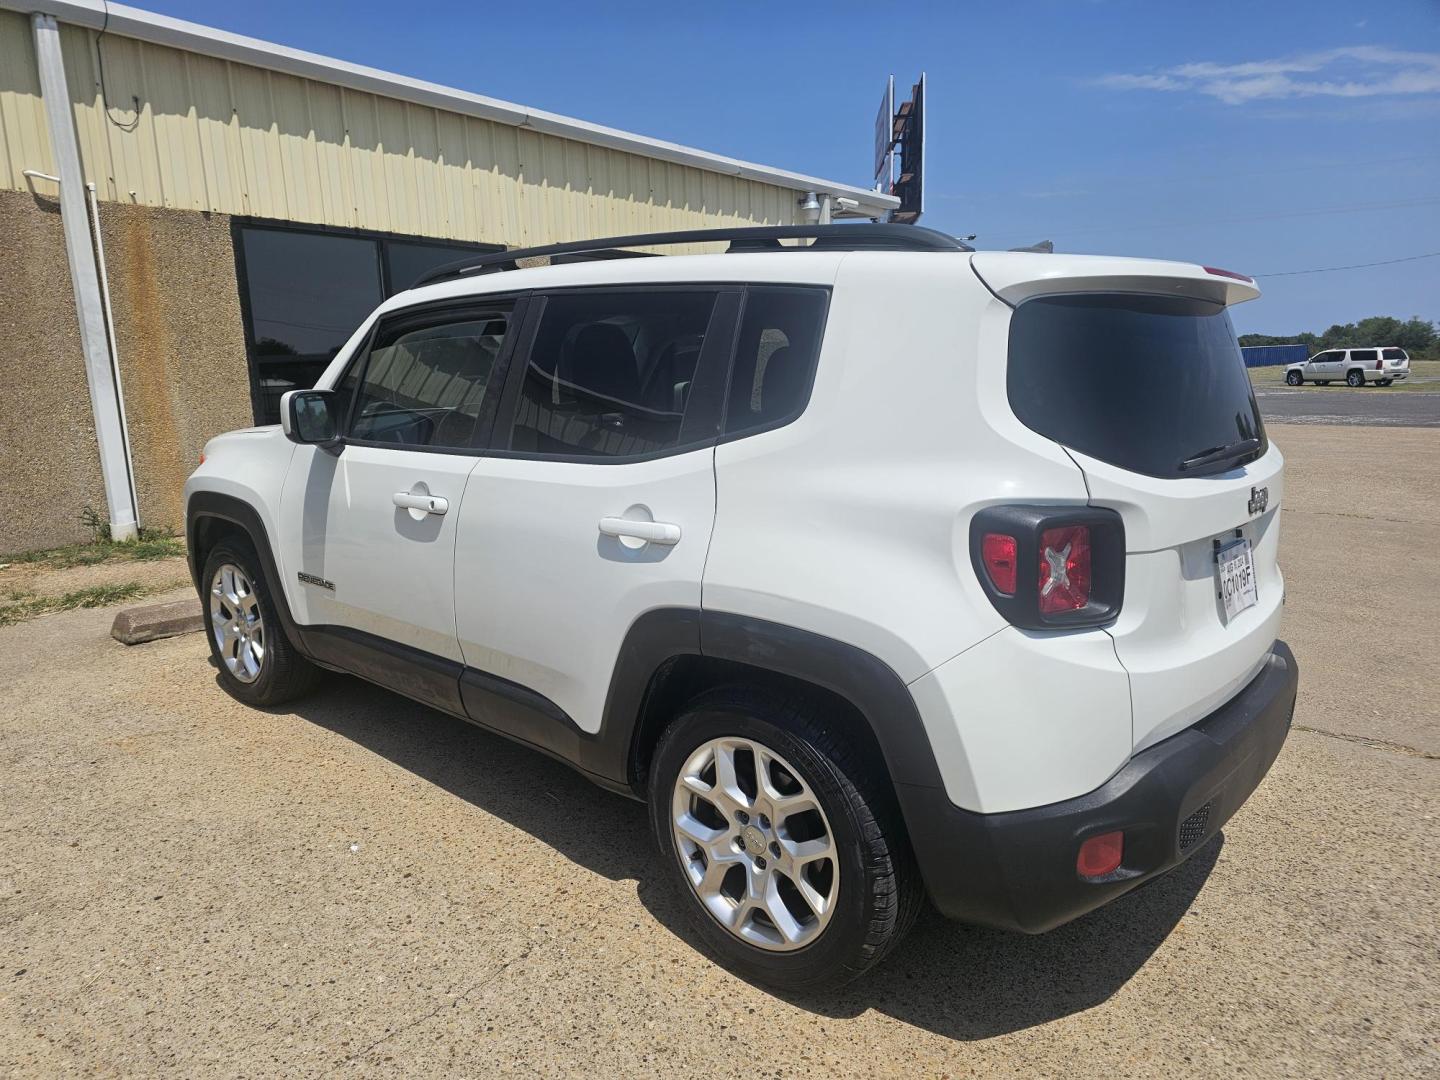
359, 886
1338, 404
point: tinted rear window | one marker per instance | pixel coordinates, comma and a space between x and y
1141, 382
1394, 354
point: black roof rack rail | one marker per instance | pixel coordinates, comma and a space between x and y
748, 238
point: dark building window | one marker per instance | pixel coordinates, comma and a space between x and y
303, 292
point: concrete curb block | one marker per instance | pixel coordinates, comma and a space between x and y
136, 625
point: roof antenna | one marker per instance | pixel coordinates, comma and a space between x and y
1044, 247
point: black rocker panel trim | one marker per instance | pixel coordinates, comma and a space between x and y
605, 755
523, 714
419, 675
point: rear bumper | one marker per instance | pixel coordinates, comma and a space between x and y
1016, 870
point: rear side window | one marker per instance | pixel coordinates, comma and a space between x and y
1145, 383
1394, 354
1362, 356
609, 374
775, 357
425, 380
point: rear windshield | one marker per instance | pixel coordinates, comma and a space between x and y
1395, 354
1153, 384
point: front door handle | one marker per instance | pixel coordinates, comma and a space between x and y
426, 504
653, 532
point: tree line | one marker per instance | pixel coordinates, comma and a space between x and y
1416, 336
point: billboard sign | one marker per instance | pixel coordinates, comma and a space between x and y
885, 139
910, 135
900, 151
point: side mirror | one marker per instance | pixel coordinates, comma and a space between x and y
310, 416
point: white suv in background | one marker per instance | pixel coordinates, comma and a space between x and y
1355, 366
882, 569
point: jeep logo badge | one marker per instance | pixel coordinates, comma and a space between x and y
1259, 499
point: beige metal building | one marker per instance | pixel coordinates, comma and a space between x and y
192, 222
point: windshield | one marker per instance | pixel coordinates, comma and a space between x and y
1152, 384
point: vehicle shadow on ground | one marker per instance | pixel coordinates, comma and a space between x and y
958, 981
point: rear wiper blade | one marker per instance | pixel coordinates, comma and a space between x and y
1220, 453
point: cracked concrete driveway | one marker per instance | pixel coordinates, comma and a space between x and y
362, 887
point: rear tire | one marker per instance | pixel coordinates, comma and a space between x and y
1385, 382
1355, 379
257, 663
1322, 382
1294, 378
866, 876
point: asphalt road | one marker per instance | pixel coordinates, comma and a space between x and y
360, 886
1346, 405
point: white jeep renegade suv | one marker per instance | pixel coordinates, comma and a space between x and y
881, 568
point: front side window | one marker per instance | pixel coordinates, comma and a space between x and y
425, 381
610, 374
775, 357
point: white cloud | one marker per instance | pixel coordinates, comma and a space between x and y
1354, 71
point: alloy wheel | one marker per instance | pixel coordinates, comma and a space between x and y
236, 623
755, 844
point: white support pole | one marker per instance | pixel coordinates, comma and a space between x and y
113, 342
89, 308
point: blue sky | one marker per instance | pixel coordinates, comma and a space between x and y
1266, 136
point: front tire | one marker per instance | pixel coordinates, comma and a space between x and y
1355, 379
782, 839
257, 663
1294, 378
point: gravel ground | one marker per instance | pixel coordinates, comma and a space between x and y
33, 580
363, 887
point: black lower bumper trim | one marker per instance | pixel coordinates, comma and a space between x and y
1017, 870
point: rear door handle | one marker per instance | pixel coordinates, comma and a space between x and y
426, 504
654, 532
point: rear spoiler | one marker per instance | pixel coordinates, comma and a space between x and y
1015, 276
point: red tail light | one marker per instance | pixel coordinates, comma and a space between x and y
1065, 569
1050, 567
998, 552
1379, 364
1100, 855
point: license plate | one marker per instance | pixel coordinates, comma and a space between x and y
1235, 566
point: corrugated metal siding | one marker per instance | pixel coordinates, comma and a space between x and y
213, 135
